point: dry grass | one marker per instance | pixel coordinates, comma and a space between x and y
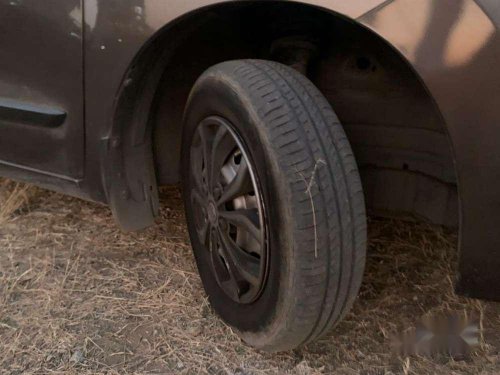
78, 296
13, 196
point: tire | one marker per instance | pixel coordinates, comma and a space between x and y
305, 195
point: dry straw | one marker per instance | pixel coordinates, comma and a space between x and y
78, 296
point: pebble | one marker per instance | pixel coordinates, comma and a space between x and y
77, 357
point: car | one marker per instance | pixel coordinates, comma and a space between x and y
285, 122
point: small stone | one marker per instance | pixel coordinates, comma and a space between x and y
240, 371
194, 331
77, 357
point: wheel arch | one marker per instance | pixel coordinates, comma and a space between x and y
141, 121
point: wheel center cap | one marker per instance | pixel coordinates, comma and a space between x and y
212, 213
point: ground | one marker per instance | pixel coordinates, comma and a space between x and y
78, 296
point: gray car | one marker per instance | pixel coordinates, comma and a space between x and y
284, 121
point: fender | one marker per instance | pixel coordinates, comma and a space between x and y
116, 31
453, 46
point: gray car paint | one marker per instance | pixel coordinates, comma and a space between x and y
41, 73
453, 45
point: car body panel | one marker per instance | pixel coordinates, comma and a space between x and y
453, 46
41, 87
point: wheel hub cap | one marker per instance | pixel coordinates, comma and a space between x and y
228, 210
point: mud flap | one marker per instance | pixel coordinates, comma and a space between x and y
130, 181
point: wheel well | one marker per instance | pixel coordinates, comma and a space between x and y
398, 135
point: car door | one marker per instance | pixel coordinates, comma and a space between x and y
41, 86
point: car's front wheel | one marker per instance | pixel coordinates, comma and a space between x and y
273, 201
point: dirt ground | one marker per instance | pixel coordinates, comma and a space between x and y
78, 296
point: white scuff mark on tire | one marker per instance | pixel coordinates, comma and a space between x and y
309, 185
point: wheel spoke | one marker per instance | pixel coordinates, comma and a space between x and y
222, 269
203, 232
223, 145
247, 220
240, 185
207, 147
197, 167
232, 287
200, 203
239, 261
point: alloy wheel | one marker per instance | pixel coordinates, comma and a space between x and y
228, 210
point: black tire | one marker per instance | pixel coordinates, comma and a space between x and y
314, 215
